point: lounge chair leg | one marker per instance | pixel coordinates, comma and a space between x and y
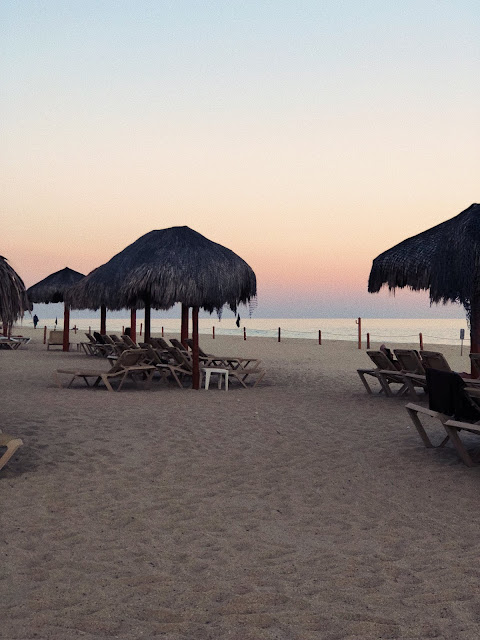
12, 444
106, 382
259, 379
419, 427
458, 444
365, 383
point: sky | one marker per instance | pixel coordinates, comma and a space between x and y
307, 137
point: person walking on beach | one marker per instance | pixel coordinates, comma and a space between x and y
35, 321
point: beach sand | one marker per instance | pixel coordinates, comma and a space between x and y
300, 509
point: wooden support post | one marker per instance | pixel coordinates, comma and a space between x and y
420, 336
475, 328
279, 334
148, 322
141, 327
45, 334
195, 352
244, 333
163, 335
213, 333
103, 320
5, 329
123, 330
133, 324
319, 337
359, 322
184, 327
66, 327
368, 341
89, 331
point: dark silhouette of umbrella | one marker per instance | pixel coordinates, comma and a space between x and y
13, 297
52, 289
165, 267
444, 259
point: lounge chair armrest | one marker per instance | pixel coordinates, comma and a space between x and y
466, 426
417, 408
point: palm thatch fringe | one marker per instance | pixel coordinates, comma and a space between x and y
444, 259
13, 297
53, 287
164, 267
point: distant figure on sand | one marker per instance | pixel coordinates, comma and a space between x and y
35, 321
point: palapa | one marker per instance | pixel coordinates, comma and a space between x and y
13, 296
165, 267
53, 289
444, 259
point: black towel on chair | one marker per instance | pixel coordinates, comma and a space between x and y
446, 395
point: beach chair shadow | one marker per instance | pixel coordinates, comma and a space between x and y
130, 364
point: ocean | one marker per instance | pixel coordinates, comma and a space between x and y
388, 330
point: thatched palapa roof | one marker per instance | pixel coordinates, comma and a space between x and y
444, 259
165, 267
53, 287
13, 297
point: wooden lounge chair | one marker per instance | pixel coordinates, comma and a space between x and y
9, 343
9, 444
385, 373
178, 367
434, 360
412, 368
92, 347
229, 362
237, 372
129, 364
117, 346
454, 405
55, 339
129, 342
178, 345
160, 343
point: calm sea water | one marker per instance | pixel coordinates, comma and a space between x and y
434, 331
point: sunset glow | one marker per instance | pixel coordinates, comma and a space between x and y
307, 137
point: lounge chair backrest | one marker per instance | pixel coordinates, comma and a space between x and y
201, 352
434, 360
409, 360
129, 342
181, 357
152, 355
116, 339
381, 361
177, 344
55, 337
91, 338
162, 343
129, 358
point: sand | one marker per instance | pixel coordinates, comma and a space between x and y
301, 509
